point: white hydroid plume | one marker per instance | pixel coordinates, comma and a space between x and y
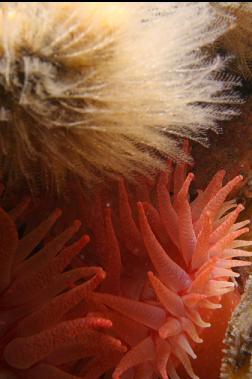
101, 89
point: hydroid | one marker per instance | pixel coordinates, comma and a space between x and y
237, 41
100, 89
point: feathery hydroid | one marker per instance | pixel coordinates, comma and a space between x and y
97, 89
238, 39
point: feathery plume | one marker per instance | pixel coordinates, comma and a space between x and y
238, 39
97, 89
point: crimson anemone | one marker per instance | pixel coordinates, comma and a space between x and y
139, 316
190, 248
38, 292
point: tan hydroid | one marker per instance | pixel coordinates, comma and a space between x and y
238, 39
100, 89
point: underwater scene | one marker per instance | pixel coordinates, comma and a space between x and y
125, 190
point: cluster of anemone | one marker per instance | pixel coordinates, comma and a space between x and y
127, 301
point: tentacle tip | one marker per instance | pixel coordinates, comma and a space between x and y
240, 207
123, 348
239, 178
108, 324
99, 322
162, 335
222, 172
101, 274
140, 207
190, 176
58, 212
85, 240
77, 225
150, 275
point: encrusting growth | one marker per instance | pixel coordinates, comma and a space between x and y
140, 315
237, 363
100, 89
